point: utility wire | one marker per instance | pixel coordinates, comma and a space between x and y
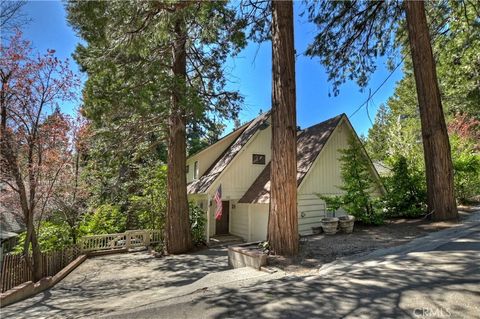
378, 88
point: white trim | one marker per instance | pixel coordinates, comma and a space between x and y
208, 218
249, 212
238, 130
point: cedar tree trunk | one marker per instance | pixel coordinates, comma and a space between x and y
438, 161
178, 237
283, 220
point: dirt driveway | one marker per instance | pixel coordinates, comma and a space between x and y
122, 281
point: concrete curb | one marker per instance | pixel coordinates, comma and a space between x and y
29, 288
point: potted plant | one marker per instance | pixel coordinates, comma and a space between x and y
333, 203
329, 225
345, 223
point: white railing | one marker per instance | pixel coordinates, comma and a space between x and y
126, 240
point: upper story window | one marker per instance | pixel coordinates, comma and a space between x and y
187, 169
195, 170
258, 159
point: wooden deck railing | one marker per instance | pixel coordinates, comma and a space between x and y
126, 240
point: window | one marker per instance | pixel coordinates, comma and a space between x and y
258, 159
187, 168
195, 170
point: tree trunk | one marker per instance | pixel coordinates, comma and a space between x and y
37, 269
436, 146
10, 167
283, 219
177, 225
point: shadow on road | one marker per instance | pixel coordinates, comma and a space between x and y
102, 282
436, 284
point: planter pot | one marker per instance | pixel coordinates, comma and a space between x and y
346, 223
246, 255
316, 230
329, 225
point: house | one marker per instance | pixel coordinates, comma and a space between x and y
240, 163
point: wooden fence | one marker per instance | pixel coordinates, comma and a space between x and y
15, 270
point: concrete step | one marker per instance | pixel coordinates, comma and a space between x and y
224, 241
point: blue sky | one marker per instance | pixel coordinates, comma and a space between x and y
249, 72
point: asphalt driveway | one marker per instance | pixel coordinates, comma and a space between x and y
123, 281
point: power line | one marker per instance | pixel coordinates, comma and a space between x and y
378, 88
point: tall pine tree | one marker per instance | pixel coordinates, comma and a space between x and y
164, 57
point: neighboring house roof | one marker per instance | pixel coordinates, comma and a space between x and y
382, 169
10, 225
202, 184
310, 143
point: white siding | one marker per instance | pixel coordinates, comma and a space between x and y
311, 210
209, 155
241, 173
259, 221
239, 222
323, 178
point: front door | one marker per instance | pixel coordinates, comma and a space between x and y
221, 226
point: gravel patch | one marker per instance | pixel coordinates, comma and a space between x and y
317, 250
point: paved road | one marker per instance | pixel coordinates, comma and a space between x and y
437, 276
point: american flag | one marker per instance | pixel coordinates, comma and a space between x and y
218, 201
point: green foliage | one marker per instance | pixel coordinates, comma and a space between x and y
106, 219
150, 204
358, 186
397, 129
466, 165
51, 236
127, 55
198, 222
406, 193
333, 203
352, 35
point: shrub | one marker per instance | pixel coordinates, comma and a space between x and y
150, 204
406, 193
198, 223
358, 186
466, 166
106, 219
51, 236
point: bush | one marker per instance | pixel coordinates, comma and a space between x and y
358, 186
106, 219
51, 237
150, 204
198, 223
406, 193
466, 166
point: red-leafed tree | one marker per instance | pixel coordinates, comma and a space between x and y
34, 142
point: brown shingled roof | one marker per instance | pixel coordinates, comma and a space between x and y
202, 184
309, 144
